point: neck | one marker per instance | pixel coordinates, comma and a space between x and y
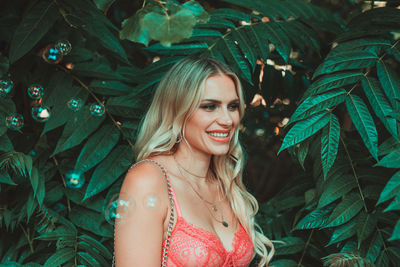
196, 163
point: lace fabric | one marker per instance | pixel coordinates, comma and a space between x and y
193, 246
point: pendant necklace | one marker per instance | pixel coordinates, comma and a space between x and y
212, 204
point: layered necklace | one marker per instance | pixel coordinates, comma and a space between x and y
205, 201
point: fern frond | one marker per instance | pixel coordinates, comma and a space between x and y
346, 259
17, 161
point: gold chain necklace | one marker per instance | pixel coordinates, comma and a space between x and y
213, 205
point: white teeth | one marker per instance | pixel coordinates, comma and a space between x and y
219, 134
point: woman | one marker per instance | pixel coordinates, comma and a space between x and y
196, 211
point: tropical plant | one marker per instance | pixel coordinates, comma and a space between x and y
335, 77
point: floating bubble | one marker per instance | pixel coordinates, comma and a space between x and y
64, 46
41, 114
35, 91
6, 87
118, 208
74, 104
97, 110
51, 55
74, 179
151, 201
14, 121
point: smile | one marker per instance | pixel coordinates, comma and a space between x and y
221, 137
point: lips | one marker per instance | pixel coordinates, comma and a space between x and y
221, 136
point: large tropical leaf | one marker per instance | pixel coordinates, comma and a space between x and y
366, 223
332, 81
346, 60
62, 256
289, 245
316, 219
337, 186
343, 232
97, 147
346, 210
391, 160
32, 28
396, 232
329, 143
317, 103
390, 82
379, 104
364, 123
304, 129
108, 171
77, 129
392, 188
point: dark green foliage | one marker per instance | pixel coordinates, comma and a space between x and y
339, 209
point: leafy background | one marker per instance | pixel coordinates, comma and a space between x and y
322, 85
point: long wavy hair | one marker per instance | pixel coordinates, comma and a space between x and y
177, 97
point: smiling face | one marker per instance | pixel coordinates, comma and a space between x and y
212, 126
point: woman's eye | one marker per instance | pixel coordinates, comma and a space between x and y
234, 107
208, 107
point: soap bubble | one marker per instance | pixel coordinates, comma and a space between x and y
74, 179
74, 104
118, 208
35, 91
6, 85
97, 110
151, 201
14, 121
64, 46
51, 55
41, 114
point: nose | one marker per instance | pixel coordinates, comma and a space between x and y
225, 118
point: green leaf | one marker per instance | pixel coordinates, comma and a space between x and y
394, 205
132, 27
232, 14
379, 104
392, 188
290, 245
363, 122
316, 219
336, 187
370, 44
246, 48
169, 29
97, 147
96, 69
5, 143
366, 224
126, 106
91, 221
34, 25
198, 11
178, 49
317, 103
372, 247
5, 178
60, 257
329, 143
284, 263
343, 232
390, 82
345, 210
30, 206
391, 160
110, 87
103, 5
88, 259
77, 129
302, 152
304, 129
332, 81
233, 57
273, 31
346, 60
396, 232
97, 245
117, 162
4, 65
34, 177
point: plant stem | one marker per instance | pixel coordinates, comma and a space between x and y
63, 180
30, 242
305, 248
354, 173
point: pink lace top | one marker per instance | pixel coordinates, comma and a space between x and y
194, 246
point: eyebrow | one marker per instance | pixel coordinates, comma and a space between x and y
219, 102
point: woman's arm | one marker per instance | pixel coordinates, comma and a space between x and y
138, 237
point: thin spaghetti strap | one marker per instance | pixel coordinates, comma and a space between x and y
164, 171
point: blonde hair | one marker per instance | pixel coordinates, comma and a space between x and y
177, 97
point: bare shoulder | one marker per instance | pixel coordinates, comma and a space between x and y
145, 177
